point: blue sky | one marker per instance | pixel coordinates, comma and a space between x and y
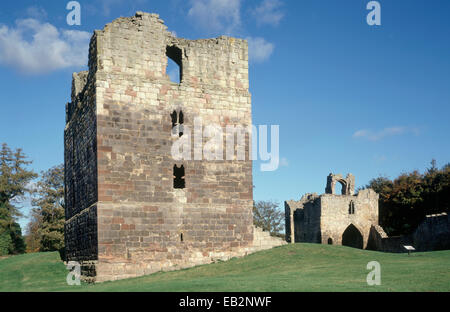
349, 97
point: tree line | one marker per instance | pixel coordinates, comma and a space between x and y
406, 200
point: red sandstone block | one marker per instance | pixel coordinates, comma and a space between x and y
104, 148
117, 220
131, 93
150, 208
104, 171
130, 227
164, 89
107, 186
104, 198
245, 195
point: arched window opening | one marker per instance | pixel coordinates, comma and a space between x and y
178, 177
330, 241
339, 188
174, 65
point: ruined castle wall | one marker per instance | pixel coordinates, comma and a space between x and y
307, 221
292, 207
144, 224
433, 233
379, 240
303, 219
263, 240
80, 159
335, 217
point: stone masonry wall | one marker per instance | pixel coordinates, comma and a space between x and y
299, 222
145, 224
80, 174
335, 217
432, 234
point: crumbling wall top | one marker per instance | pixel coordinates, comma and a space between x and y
348, 184
140, 46
299, 204
79, 81
368, 193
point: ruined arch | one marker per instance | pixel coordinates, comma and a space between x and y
352, 237
348, 184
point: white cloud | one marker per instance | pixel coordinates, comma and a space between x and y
33, 47
386, 132
216, 15
259, 49
268, 12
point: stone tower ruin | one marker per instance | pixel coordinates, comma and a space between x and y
131, 209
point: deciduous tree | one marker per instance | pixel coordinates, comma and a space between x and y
268, 216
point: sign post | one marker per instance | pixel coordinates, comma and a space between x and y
409, 248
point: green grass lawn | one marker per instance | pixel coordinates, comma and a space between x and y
299, 267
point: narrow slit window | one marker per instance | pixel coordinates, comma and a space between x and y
178, 177
174, 119
181, 237
351, 208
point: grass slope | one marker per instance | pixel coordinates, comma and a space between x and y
299, 267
